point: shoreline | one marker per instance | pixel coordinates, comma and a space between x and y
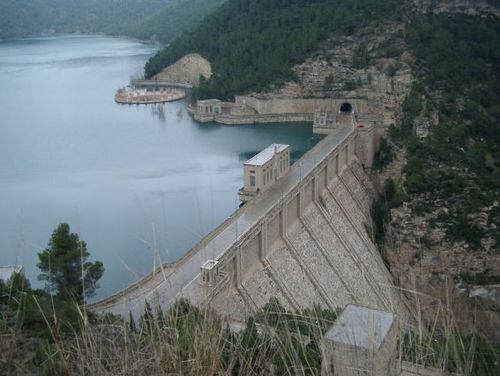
157, 43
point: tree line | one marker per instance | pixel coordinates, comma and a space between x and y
161, 20
254, 43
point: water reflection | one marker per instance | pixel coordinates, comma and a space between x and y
158, 110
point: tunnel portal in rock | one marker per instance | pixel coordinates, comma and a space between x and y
346, 108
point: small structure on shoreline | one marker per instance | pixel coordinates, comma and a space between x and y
264, 169
131, 95
209, 106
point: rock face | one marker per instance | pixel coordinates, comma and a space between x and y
186, 70
444, 274
470, 7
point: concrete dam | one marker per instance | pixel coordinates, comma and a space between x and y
304, 241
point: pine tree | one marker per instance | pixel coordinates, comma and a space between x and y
65, 269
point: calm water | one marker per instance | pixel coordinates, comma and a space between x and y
128, 179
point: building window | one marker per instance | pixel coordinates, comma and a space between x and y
252, 181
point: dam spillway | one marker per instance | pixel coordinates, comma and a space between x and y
304, 241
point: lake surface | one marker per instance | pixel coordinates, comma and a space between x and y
140, 184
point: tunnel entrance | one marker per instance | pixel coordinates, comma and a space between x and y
346, 108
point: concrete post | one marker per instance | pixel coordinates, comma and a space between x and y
237, 269
315, 188
328, 169
300, 197
263, 240
284, 218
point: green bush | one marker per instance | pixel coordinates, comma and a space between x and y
381, 210
361, 57
384, 155
391, 70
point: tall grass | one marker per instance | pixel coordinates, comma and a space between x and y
63, 339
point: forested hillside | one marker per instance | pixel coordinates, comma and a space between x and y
252, 43
457, 165
145, 19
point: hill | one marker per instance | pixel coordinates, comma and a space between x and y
144, 19
252, 44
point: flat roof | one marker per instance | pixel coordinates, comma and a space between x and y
209, 101
265, 155
209, 264
7, 271
361, 327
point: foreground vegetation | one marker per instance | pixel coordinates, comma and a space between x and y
50, 331
65, 339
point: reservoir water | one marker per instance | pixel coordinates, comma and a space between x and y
140, 184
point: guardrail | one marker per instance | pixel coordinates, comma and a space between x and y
159, 83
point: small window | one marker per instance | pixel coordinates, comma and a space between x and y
252, 171
252, 181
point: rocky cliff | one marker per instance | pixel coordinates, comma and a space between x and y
186, 70
470, 7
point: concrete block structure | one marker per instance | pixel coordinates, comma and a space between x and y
209, 272
324, 121
264, 169
209, 106
363, 341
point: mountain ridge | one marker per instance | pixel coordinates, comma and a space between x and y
160, 20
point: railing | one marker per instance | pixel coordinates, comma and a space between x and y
160, 83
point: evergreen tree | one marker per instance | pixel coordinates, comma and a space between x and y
65, 268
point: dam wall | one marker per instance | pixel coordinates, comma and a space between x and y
304, 241
311, 248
